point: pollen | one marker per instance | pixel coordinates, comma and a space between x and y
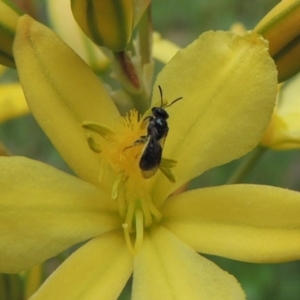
118, 147
120, 154
123, 153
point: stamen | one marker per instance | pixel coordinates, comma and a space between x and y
115, 188
154, 211
144, 201
131, 119
93, 144
122, 202
129, 215
167, 162
165, 166
127, 238
139, 229
168, 173
139, 233
146, 211
101, 170
99, 129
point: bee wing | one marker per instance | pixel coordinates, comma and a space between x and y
151, 158
162, 142
149, 173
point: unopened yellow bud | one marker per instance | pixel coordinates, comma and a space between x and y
108, 23
281, 27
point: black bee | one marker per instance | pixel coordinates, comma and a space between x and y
157, 131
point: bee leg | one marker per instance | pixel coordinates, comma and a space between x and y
142, 140
144, 123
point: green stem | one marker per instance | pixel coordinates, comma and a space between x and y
130, 81
246, 165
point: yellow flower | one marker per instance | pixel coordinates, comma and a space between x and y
133, 224
163, 50
284, 129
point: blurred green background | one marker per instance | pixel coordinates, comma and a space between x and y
182, 21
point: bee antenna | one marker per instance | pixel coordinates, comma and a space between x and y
161, 95
174, 101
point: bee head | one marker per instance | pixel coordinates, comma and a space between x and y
159, 112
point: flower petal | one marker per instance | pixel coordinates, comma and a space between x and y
44, 211
163, 50
245, 222
228, 84
98, 270
62, 92
167, 267
12, 102
285, 133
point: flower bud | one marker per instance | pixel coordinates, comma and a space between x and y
108, 23
281, 27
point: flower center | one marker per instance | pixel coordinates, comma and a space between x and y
120, 155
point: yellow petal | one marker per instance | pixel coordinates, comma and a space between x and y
12, 102
64, 24
238, 28
276, 135
62, 92
44, 211
245, 222
284, 129
163, 50
167, 267
98, 270
228, 84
